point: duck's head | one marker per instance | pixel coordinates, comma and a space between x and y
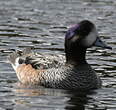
80, 37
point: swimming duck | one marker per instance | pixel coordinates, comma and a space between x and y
74, 73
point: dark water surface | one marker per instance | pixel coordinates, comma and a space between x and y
42, 24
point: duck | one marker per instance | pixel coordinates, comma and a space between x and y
71, 72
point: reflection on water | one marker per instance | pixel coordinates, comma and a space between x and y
42, 24
50, 98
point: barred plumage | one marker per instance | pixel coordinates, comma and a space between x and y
53, 70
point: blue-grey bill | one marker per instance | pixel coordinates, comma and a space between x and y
100, 43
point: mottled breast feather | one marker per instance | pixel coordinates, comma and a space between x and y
71, 77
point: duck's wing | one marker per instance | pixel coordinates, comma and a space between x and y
36, 60
41, 61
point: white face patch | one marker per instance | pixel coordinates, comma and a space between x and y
90, 39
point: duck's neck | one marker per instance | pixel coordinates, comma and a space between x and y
76, 56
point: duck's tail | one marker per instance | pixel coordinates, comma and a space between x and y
18, 57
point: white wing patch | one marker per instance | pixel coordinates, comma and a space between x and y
16, 63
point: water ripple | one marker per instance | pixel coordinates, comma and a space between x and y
42, 25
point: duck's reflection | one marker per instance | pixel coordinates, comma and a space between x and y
78, 100
53, 98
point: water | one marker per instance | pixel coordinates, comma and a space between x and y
42, 24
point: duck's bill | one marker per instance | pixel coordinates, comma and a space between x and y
100, 43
